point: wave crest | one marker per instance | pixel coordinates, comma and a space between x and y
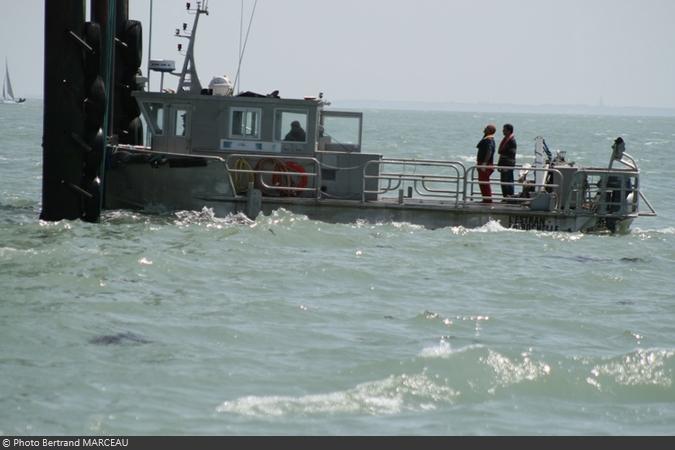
508, 371
391, 395
640, 368
207, 218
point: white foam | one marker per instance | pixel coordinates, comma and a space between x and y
7, 250
207, 218
492, 226
361, 223
441, 350
640, 368
562, 236
391, 395
444, 350
509, 372
667, 230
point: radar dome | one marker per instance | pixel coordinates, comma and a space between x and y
221, 85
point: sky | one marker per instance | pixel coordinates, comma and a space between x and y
523, 52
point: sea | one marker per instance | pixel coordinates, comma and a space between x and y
191, 324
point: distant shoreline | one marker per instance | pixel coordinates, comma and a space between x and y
508, 108
628, 111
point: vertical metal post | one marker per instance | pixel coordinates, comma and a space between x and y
99, 14
149, 48
63, 119
103, 12
120, 11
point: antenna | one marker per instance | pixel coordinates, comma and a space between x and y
241, 35
243, 49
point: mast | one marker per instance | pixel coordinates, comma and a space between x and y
189, 81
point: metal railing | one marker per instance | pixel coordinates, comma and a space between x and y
607, 193
279, 172
602, 192
144, 149
394, 175
528, 189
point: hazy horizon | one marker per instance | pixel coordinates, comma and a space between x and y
524, 53
569, 109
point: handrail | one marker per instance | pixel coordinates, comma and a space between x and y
652, 211
471, 180
149, 150
281, 159
587, 189
599, 198
422, 183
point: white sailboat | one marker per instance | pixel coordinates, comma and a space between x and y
7, 91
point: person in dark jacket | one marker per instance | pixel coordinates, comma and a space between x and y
296, 134
507, 158
485, 160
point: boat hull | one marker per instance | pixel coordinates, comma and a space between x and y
156, 186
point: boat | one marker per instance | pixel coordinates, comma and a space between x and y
209, 147
7, 91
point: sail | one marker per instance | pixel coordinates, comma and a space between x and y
8, 82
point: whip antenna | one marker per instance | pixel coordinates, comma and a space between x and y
243, 48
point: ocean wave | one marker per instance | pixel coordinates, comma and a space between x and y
477, 372
640, 368
492, 226
646, 232
16, 204
392, 395
362, 223
118, 216
6, 250
444, 350
11, 251
561, 236
402, 225
280, 216
207, 218
61, 225
657, 142
509, 371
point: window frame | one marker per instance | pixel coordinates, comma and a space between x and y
158, 129
188, 122
278, 123
245, 110
357, 116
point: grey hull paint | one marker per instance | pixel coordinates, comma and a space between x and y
164, 189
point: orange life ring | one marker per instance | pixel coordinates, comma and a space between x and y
298, 181
291, 178
275, 180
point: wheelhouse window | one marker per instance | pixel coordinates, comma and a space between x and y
245, 123
182, 118
290, 126
156, 116
342, 128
